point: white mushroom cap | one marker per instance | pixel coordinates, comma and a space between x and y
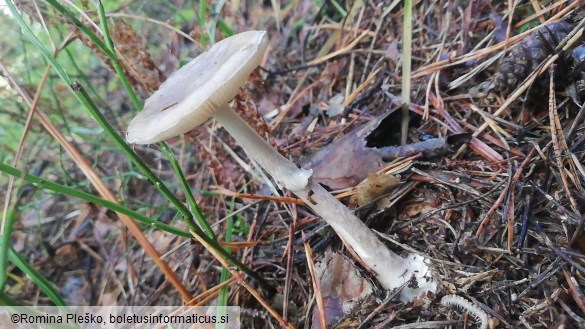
191, 95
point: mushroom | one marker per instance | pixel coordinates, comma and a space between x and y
203, 88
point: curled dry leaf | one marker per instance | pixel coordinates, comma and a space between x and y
375, 186
353, 160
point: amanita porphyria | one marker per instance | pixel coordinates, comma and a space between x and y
203, 88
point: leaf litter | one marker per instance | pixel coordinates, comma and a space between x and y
491, 199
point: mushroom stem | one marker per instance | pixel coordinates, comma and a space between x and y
391, 270
280, 168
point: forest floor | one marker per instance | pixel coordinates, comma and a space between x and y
489, 186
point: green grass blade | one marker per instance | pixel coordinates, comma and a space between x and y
108, 48
224, 292
112, 55
5, 246
406, 68
42, 183
58, 188
126, 84
70, 17
79, 93
39, 280
82, 96
202, 11
188, 193
7, 301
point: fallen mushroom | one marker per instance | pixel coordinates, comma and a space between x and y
202, 89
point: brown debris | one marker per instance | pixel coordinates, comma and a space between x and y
132, 53
342, 287
135, 58
375, 186
528, 55
501, 218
